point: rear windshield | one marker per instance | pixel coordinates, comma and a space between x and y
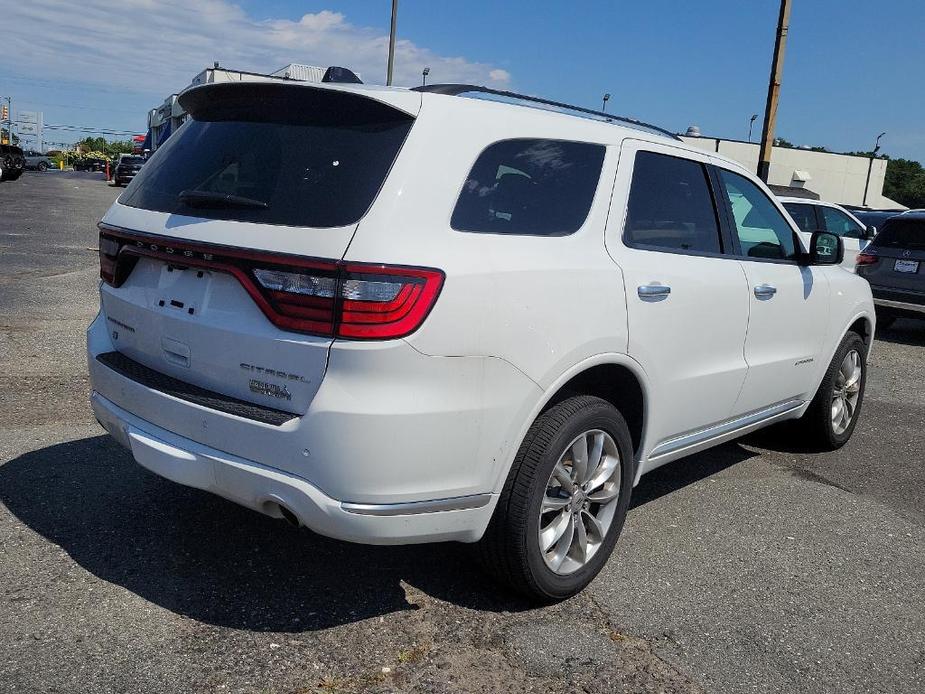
273, 154
906, 233
132, 160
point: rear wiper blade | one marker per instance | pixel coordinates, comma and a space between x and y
205, 198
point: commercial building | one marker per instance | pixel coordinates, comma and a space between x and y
838, 178
166, 118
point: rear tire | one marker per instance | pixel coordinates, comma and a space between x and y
43, 167
830, 420
592, 513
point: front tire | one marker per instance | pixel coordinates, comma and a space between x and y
564, 502
43, 167
830, 420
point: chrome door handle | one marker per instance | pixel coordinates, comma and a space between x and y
765, 291
652, 291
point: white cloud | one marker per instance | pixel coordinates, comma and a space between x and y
158, 45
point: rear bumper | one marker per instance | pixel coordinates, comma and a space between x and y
899, 300
392, 447
266, 489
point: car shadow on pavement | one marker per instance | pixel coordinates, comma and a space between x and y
905, 331
200, 556
686, 471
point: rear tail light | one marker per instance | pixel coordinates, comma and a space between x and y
109, 249
865, 259
359, 301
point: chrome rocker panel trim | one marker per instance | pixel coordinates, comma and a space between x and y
701, 439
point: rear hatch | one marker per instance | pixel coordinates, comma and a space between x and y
900, 249
130, 165
221, 259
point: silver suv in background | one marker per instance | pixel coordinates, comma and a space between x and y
36, 161
894, 264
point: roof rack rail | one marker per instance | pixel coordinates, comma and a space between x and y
457, 89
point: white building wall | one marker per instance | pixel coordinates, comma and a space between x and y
837, 178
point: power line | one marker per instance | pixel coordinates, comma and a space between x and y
81, 128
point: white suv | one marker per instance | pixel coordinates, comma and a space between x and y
401, 316
812, 215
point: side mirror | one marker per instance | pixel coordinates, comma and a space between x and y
871, 231
826, 248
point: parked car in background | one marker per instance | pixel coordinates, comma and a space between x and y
37, 161
422, 317
873, 218
90, 164
12, 162
813, 215
894, 264
125, 168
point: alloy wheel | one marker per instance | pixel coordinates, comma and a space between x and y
580, 501
846, 393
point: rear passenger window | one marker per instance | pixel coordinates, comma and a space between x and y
803, 215
534, 187
670, 206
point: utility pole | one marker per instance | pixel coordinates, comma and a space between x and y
9, 119
388, 79
777, 73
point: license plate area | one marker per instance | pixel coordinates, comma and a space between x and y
183, 289
906, 266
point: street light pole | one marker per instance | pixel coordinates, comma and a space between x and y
424, 73
388, 79
751, 122
870, 165
777, 74
606, 99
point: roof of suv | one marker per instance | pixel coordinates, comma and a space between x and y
410, 101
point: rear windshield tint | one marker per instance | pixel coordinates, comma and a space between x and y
530, 187
274, 154
132, 160
906, 233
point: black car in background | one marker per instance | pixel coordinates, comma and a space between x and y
894, 264
873, 218
125, 168
90, 164
12, 162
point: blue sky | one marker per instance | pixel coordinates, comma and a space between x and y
853, 68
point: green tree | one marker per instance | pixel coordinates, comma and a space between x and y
905, 182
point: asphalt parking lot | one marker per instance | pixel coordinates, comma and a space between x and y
755, 567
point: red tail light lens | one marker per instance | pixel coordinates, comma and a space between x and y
865, 259
331, 298
382, 302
